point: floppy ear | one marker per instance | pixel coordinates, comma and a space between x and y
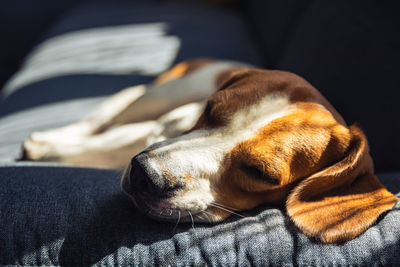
343, 200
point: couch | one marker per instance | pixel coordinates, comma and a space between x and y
57, 215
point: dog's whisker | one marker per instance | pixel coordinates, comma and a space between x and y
177, 222
198, 216
191, 217
225, 206
208, 215
205, 218
228, 210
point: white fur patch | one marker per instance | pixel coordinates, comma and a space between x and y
197, 200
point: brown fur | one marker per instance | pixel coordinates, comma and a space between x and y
244, 87
182, 69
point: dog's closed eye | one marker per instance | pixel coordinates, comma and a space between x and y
207, 111
255, 173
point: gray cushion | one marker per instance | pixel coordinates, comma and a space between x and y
74, 216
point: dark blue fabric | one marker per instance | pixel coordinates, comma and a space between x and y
22, 23
74, 216
203, 32
64, 88
273, 23
350, 51
354, 60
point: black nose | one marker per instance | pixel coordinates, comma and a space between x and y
145, 179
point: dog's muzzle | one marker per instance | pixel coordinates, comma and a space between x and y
146, 180
147, 187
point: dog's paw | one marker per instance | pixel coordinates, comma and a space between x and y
36, 150
38, 147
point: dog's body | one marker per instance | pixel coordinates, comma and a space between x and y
262, 137
132, 119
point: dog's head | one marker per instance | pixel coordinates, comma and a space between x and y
264, 137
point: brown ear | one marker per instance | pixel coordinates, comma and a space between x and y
343, 200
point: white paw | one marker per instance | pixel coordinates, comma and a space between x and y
36, 150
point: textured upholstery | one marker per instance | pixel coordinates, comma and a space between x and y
74, 216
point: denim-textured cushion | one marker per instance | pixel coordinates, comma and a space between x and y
74, 216
102, 47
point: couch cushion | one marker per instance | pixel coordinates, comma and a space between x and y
350, 51
273, 23
353, 59
74, 216
101, 47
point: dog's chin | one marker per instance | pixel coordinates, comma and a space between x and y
160, 209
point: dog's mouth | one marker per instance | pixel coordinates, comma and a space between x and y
160, 209
178, 206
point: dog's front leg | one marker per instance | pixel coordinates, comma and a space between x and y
110, 149
116, 146
101, 118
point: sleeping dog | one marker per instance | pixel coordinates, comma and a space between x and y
224, 137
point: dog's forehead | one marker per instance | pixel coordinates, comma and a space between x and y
249, 119
244, 90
